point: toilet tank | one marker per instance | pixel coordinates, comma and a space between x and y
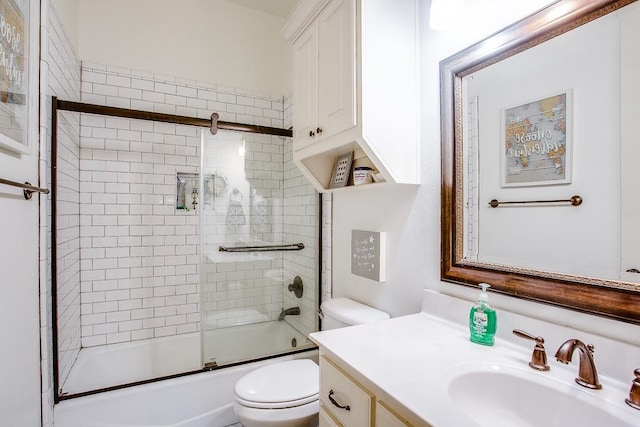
341, 312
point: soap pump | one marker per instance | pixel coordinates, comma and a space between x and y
483, 320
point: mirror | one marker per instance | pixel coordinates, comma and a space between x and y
536, 114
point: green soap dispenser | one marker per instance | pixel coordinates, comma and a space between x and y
482, 320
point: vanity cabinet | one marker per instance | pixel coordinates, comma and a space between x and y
346, 402
355, 88
386, 417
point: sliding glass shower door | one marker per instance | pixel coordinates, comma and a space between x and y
141, 208
259, 235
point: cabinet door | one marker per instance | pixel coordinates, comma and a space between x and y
386, 418
305, 86
337, 68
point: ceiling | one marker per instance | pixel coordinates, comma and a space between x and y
280, 8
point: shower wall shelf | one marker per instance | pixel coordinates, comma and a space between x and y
355, 88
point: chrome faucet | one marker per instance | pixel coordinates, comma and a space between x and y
587, 374
289, 312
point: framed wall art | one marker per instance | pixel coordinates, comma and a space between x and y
18, 74
536, 138
369, 254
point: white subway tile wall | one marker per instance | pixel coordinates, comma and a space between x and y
301, 225
63, 75
140, 275
139, 254
140, 90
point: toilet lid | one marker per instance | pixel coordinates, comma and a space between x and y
351, 312
280, 385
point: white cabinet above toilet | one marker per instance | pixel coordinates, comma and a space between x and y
355, 88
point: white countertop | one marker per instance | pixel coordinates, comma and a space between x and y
413, 358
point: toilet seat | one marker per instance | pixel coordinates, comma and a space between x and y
280, 385
276, 405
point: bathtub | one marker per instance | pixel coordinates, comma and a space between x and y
111, 365
200, 400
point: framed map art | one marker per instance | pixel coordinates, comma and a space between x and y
18, 73
537, 142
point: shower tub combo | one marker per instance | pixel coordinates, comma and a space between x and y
135, 304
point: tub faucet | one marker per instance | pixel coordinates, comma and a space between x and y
289, 312
587, 374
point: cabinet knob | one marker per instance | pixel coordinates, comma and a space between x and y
319, 130
311, 134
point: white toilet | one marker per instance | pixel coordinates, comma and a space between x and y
285, 394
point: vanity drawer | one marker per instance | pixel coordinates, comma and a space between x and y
336, 385
326, 419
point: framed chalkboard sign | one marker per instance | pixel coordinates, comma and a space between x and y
18, 73
368, 254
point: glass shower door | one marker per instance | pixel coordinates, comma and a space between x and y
259, 230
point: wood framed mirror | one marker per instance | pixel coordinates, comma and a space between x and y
570, 278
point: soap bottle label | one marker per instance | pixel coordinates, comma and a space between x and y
480, 321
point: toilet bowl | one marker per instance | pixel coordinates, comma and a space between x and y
285, 394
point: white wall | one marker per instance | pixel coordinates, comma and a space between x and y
67, 12
412, 216
19, 372
19, 265
204, 40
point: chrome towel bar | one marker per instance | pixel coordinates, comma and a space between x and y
27, 188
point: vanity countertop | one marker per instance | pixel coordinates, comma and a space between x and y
414, 358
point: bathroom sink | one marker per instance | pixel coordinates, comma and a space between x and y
497, 395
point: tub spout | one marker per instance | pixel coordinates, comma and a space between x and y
289, 312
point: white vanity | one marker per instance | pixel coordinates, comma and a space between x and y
422, 370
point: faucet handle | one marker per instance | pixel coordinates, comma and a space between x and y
539, 356
634, 394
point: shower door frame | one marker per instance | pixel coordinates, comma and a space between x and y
214, 124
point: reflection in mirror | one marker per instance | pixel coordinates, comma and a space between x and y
547, 115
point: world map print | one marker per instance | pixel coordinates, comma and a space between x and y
535, 136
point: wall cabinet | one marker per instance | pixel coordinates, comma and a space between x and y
346, 402
324, 78
355, 87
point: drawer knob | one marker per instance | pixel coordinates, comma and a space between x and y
345, 407
311, 134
